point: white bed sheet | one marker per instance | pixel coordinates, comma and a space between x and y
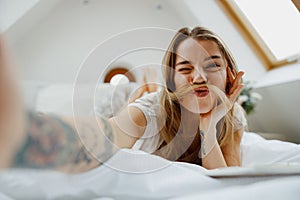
137, 175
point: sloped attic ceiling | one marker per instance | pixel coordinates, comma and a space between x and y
16, 17
12, 10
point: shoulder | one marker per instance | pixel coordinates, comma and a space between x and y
147, 103
152, 97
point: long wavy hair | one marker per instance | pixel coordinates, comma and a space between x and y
173, 147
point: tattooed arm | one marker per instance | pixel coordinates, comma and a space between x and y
53, 143
211, 154
79, 144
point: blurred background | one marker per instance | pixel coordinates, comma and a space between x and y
51, 39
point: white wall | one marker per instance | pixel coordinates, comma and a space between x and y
62, 39
19, 17
54, 49
278, 111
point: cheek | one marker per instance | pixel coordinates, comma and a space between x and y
180, 80
219, 80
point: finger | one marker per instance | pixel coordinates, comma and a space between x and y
220, 110
233, 97
236, 81
230, 75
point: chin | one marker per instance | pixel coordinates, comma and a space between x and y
206, 107
198, 106
205, 110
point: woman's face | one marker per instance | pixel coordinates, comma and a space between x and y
199, 62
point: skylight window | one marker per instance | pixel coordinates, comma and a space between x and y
274, 26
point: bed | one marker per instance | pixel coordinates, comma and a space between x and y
270, 170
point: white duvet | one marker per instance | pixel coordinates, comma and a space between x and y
137, 175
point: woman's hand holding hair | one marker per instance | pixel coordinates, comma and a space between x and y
228, 101
236, 85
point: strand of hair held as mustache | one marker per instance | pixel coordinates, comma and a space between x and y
188, 89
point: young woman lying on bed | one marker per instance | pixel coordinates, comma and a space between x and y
194, 119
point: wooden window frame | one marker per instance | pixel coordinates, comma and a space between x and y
297, 4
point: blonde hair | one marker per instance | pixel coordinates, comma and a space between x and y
172, 144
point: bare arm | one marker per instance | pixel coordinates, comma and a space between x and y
79, 145
213, 156
232, 150
52, 143
129, 125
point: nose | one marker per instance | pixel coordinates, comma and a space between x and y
199, 76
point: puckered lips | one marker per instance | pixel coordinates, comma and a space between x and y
202, 91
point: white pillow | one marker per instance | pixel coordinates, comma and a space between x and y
105, 100
56, 99
111, 99
30, 90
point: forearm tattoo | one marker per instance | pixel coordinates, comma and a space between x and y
203, 150
97, 137
51, 144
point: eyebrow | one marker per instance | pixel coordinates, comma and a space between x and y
183, 62
213, 57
